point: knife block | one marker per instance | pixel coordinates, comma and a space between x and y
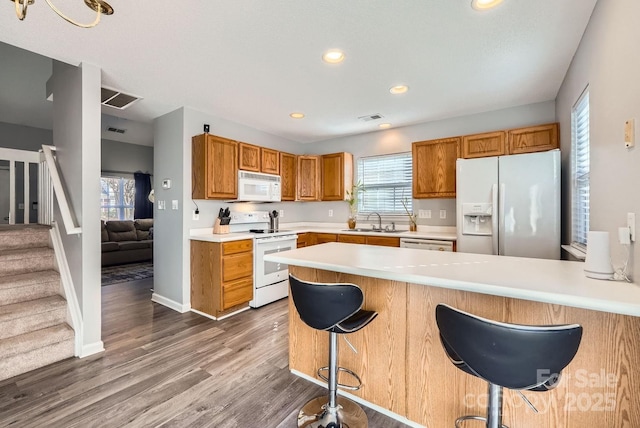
218, 229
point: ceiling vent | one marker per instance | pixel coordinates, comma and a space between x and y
116, 99
116, 130
371, 117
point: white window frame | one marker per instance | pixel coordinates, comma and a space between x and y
580, 192
120, 206
403, 187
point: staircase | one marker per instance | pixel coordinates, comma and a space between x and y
33, 328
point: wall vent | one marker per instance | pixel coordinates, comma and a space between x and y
116, 130
371, 117
117, 99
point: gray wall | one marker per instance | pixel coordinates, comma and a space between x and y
22, 137
76, 135
127, 158
607, 60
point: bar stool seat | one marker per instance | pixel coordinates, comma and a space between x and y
336, 308
513, 356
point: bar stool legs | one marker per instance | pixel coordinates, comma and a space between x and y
494, 410
332, 411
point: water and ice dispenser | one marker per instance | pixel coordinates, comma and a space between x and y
477, 219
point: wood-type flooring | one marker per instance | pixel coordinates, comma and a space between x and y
166, 369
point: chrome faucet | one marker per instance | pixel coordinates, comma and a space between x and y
379, 220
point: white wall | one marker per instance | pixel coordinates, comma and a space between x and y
76, 135
608, 60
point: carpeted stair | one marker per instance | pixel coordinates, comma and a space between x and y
33, 328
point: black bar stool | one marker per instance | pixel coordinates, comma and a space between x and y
335, 308
512, 356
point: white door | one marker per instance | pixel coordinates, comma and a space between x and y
476, 183
530, 205
4, 196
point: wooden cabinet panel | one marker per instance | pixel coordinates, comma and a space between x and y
482, 145
308, 178
321, 238
434, 168
237, 292
214, 167
337, 176
249, 157
234, 247
270, 161
237, 266
387, 241
302, 240
533, 139
352, 239
288, 175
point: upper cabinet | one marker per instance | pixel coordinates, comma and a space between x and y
533, 139
270, 161
308, 178
337, 176
288, 176
214, 167
249, 157
434, 168
482, 145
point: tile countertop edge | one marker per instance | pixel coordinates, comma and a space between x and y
576, 290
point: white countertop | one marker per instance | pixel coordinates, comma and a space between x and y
424, 232
549, 281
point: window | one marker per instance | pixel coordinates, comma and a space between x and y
580, 171
117, 198
387, 182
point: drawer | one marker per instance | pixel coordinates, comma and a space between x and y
352, 239
234, 247
237, 292
321, 238
237, 266
387, 241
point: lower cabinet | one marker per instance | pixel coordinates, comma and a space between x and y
303, 239
320, 238
221, 276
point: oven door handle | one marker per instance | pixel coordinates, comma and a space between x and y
270, 239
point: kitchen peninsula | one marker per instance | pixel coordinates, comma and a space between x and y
400, 359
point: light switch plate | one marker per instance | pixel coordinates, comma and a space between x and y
174, 204
443, 213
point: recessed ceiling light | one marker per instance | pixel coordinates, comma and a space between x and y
333, 56
399, 89
484, 4
297, 115
384, 125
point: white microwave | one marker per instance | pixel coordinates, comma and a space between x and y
258, 187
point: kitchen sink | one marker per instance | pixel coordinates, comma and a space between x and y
362, 229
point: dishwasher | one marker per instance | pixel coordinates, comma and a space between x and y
426, 244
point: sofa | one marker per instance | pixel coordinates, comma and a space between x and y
126, 241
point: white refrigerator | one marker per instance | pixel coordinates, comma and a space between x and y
509, 205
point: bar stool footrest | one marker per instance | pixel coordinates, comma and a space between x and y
341, 385
462, 419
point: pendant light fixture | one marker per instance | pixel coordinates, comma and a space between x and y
99, 6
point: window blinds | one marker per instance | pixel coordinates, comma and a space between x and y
387, 181
580, 172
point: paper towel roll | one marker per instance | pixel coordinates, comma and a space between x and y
598, 262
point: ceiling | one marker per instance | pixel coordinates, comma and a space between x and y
254, 61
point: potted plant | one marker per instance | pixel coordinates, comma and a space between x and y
352, 200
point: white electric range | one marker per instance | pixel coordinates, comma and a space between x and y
270, 280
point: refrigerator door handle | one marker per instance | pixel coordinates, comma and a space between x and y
494, 219
502, 219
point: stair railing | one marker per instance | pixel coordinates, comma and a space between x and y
50, 182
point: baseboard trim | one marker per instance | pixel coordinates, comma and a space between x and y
91, 349
171, 304
359, 400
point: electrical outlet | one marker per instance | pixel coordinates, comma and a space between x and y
281, 213
428, 214
174, 204
422, 214
330, 213
196, 215
161, 205
443, 213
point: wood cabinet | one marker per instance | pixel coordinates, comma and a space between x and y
269, 161
288, 176
221, 276
337, 176
302, 240
249, 157
387, 241
352, 239
308, 178
214, 167
321, 238
482, 145
434, 168
533, 139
